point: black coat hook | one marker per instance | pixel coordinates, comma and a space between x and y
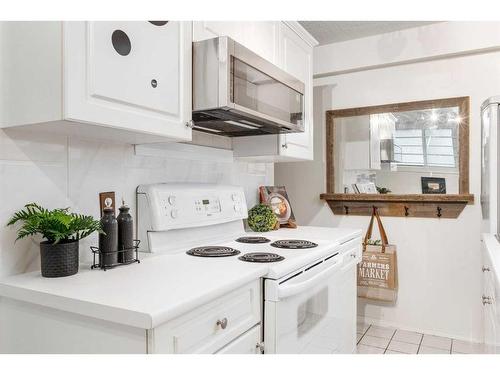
407, 213
346, 210
439, 211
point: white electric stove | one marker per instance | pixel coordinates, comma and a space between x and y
309, 303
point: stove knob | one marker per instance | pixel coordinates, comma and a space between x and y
174, 214
235, 197
171, 200
237, 207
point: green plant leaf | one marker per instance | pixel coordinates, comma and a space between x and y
55, 225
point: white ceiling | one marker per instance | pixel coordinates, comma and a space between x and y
327, 32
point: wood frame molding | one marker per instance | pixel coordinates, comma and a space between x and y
389, 202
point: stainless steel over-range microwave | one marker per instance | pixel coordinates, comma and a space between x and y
238, 93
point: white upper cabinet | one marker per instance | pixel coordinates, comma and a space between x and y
296, 59
262, 37
124, 81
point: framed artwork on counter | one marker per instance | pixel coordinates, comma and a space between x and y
277, 198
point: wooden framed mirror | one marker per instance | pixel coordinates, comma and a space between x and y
406, 159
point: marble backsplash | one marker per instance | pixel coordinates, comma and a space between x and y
61, 171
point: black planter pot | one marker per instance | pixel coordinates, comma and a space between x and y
58, 260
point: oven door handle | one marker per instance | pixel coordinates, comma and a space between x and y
288, 290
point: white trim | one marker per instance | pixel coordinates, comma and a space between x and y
301, 32
185, 152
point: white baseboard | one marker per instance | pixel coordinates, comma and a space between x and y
385, 323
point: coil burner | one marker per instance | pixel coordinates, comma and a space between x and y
293, 244
261, 257
253, 239
213, 251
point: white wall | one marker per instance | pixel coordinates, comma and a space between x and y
58, 171
439, 259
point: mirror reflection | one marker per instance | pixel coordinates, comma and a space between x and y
408, 152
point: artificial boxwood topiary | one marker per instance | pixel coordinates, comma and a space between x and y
261, 218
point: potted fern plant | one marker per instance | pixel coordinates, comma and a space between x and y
62, 231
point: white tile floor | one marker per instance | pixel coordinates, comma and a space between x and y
383, 340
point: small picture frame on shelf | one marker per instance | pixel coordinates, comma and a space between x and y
433, 185
365, 188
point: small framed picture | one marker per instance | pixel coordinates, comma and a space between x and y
107, 199
366, 188
433, 185
277, 198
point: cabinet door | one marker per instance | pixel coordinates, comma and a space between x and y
248, 343
129, 75
491, 320
296, 59
262, 37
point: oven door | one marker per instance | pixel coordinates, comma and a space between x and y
314, 311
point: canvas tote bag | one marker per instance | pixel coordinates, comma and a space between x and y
377, 272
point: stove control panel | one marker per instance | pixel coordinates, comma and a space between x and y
177, 206
207, 205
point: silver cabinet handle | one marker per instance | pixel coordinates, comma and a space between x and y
487, 300
190, 124
284, 145
222, 323
486, 269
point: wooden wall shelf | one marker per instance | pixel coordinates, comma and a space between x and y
400, 205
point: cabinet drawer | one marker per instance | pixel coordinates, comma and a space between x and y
245, 344
212, 326
352, 249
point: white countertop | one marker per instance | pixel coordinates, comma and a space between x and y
158, 289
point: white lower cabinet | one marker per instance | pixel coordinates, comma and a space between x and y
248, 343
209, 328
128, 81
228, 324
490, 300
28, 328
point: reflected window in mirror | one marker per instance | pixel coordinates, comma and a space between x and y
404, 148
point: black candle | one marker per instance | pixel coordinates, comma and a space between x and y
125, 235
108, 242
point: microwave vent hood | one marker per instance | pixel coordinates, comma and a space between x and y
238, 93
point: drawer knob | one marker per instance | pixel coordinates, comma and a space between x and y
222, 323
486, 269
486, 300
